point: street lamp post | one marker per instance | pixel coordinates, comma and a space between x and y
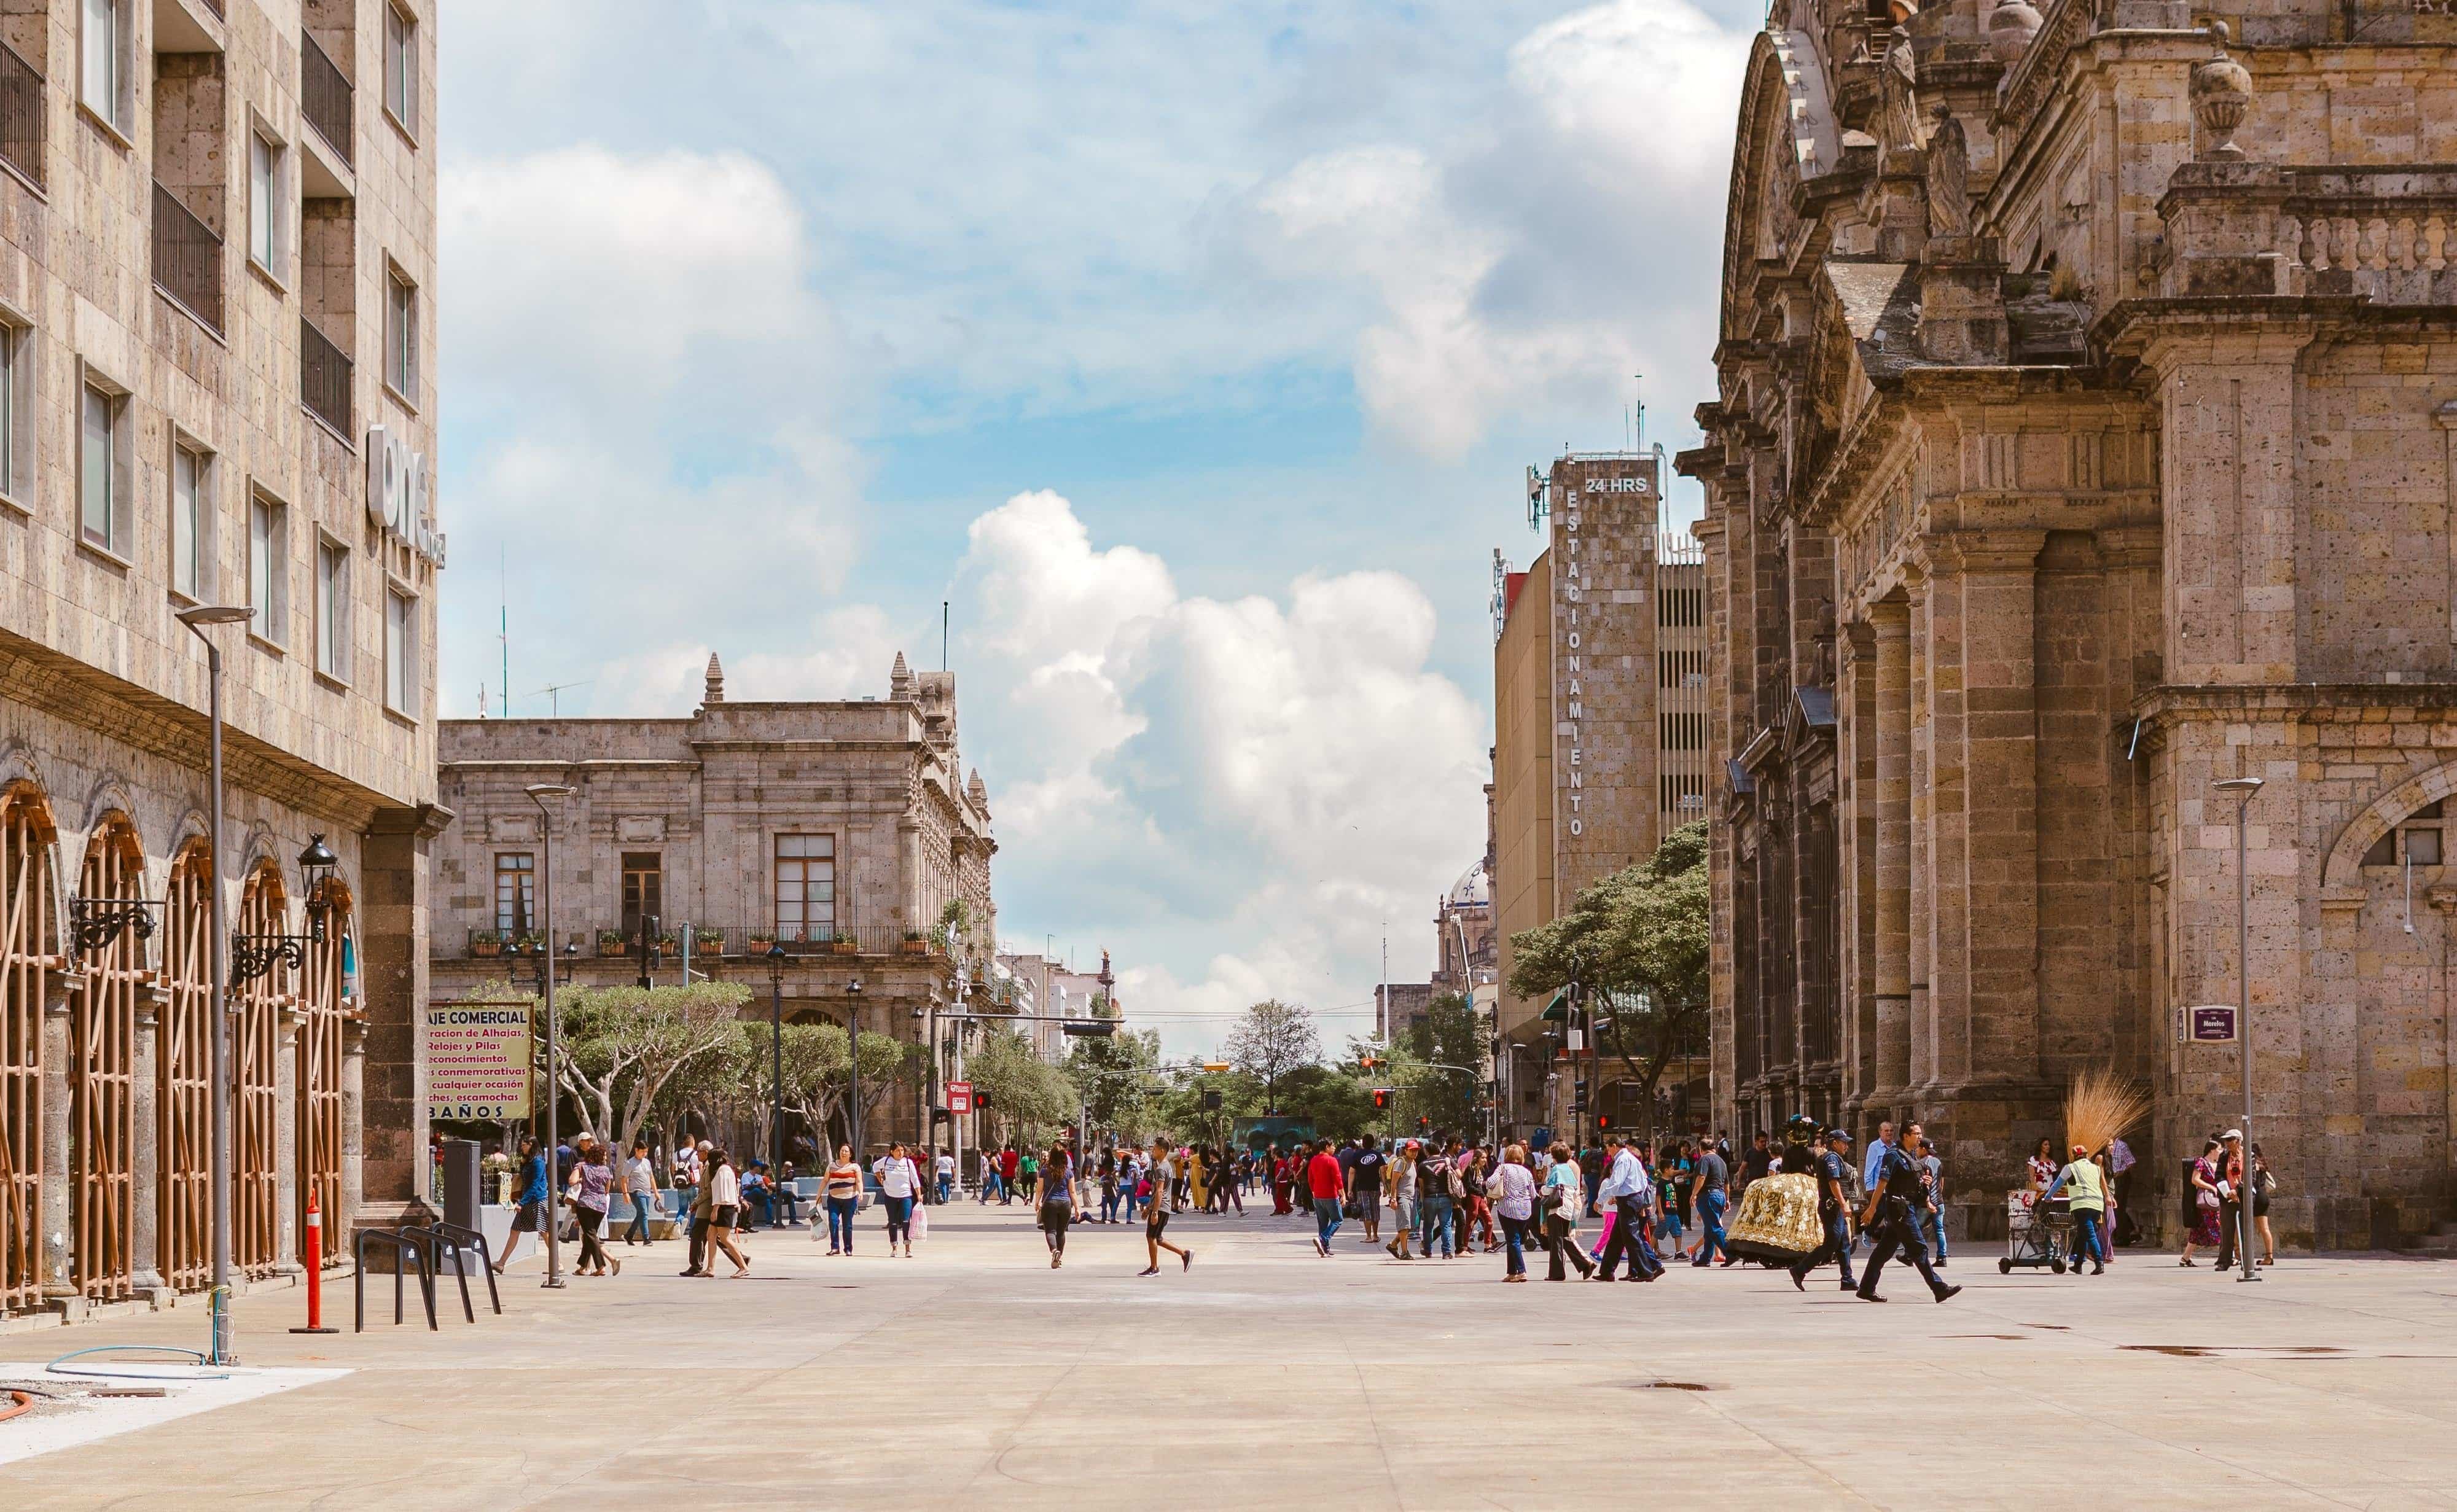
853, 1065
539, 793
776, 1055
217, 1029
2244, 787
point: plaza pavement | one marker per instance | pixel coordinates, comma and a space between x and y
975, 1377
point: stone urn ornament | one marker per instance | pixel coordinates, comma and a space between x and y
2221, 92
2011, 27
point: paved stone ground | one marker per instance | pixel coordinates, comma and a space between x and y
976, 1377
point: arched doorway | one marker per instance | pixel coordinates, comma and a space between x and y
319, 1079
185, 1114
255, 1027
26, 945
102, 1076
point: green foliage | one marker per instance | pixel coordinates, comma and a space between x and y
1638, 940
1338, 1102
1272, 1041
623, 1047
1179, 1111
1030, 1100
1441, 1072
1117, 1076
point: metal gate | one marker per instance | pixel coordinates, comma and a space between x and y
255, 1216
102, 1077
26, 938
319, 1072
185, 1118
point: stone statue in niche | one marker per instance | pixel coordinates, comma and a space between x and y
1948, 177
1898, 114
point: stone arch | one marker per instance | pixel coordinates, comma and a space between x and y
2341, 879
256, 1031
1785, 108
28, 955
182, 1110
316, 1124
102, 1070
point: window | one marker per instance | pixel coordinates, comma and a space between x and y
401, 652
515, 891
2415, 842
400, 68
263, 201
332, 609
103, 73
806, 886
98, 501
644, 888
16, 407
188, 521
401, 335
268, 574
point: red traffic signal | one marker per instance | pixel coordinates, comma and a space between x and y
1603, 1123
1381, 1097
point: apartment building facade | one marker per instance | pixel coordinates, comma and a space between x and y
217, 239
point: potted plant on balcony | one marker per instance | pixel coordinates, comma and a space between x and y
916, 943
485, 942
844, 945
525, 943
762, 940
610, 942
669, 940
708, 941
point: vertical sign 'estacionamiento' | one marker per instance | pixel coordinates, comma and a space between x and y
1603, 664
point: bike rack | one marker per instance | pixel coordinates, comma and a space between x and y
404, 1244
457, 1240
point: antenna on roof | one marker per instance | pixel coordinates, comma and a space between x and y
1639, 443
554, 705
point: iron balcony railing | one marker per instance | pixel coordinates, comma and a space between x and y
719, 941
21, 114
324, 95
323, 377
187, 258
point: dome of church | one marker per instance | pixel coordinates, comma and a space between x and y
1474, 889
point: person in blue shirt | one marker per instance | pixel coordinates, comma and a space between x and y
530, 1216
1832, 1170
1894, 1204
1627, 1188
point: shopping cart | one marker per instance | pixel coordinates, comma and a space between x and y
2037, 1231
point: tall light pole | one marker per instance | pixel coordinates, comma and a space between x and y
2244, 787
539, 793
776, 1056
217, 1029
853, 1064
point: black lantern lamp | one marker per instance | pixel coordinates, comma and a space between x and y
252, 955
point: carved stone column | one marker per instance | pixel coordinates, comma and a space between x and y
1921, 913
287, 1019
354, 1129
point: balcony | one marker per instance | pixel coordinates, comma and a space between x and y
325, 97
711, 943
324, 378
187, 259
2264, 229
21, 114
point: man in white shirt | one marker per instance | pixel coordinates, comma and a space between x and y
946, 1176
1626, 1187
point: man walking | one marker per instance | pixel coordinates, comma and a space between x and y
2085, 1189
1710, 1195
1834, 1210
640, 1189
1932, 1217
1323, 1181
1624, 1189
1365, 1187
1893, 1212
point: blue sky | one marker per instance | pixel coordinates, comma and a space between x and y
1193, 350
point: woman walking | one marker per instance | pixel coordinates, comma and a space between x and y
1058, 1207
900, 1182
724, 1213
1156, 1217
529, 1218
640, 1189
591, 1189
1564, 1197
1281, 1184
2262, 1185
843, 1197
1512, 1190
2205, 1201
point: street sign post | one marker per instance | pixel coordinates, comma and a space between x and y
959, 1097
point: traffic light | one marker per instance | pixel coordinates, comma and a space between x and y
1367, 1061
980, 1098
1603, 1123
1381, 1097
1094, 1029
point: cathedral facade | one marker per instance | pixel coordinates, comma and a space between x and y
2083, 441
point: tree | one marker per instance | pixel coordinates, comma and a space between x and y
1638, 939
818, 1080
1115, 1074
1273, 1040
619, 1046
1025, 1092
1181, 1110
1440, 1079
1338, 1103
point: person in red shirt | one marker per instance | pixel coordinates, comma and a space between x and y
1324, 1179
1008, 1162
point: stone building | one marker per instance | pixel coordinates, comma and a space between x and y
846, 833
1599, 737
2083, 439
1049, 987
216, 389
1467, 958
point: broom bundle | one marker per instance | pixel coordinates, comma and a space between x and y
2099, 1106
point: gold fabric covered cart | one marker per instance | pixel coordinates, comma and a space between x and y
1777, 1220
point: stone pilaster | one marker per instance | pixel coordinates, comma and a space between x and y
287, 1020
59, 1170
145, 1164
395, 876
1891, 620
1856, 872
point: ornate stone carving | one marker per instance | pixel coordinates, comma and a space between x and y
1898, 112
2221, 92
2011, 27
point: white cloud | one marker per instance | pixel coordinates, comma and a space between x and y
851, 652
1282, 772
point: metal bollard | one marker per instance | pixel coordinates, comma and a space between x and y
315, 1269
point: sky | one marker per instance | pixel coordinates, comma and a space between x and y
1191, 353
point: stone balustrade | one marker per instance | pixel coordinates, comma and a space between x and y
2238, 229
